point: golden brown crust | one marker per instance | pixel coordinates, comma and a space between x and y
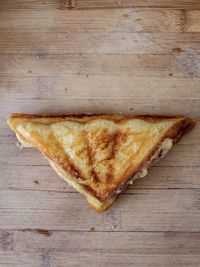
182, 126
175, 133
86, 116
56, 116
105, 205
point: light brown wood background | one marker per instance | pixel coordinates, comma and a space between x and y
130, 60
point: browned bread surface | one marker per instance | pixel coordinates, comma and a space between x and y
100, 152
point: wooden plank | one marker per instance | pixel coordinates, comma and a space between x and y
133, 88
141, 210
144, 243
98, 42
85, 4
93, 259
125, 260
97, 21
19, 259
182, 65
115, 105
22, 6
116, 249
43, 178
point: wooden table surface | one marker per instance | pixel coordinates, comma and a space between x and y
144, 59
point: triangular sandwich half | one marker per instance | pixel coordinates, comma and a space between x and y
100, 155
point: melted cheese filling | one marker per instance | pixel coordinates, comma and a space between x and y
164, 148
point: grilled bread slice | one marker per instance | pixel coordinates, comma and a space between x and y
99, 155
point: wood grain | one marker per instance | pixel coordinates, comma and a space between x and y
140, 210
58, 248
34, 177
67, 87
103, 65
46, 5
99, 59
189, 108
95, 22
101, 43
136, 3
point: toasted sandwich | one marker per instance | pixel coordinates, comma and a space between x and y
100, 155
